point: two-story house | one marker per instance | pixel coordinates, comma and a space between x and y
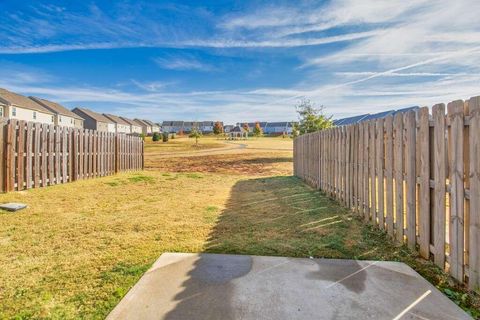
95, 121
63, 116
16, 106
121, 126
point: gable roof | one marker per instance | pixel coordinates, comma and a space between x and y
116, 119
130, 121
278, 124
141, 123
368, 116
238, 129
172, 123
20, 101
93, 115
56, 108
150, 123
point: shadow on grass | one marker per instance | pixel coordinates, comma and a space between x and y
275, 216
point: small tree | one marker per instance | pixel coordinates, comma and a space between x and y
257, 130
156, 136
246, 127
142, 135
195, 134
165, 137
311, 118
217, 128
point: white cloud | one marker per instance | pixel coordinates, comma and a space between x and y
183, 62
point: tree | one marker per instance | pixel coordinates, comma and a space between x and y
165, 137
246, 127
218, 128
311, 118
257, 130
195, 133
295, 130
156, 136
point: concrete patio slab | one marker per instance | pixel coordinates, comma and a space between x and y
211, 286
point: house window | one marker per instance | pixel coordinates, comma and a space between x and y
1, 111
14, 112
60, 118
53, 118
34, 115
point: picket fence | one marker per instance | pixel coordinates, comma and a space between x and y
414, 175
36, 155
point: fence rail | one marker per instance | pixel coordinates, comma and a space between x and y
414, 175
37, 155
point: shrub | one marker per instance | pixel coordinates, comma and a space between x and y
156, 136
165, 137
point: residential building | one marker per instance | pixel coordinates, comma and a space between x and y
95, 121
189, 125
155, 127
135, 128
63, 116
207, 126
278, 128
146, 128
121, 126
251, 125
228, 128
16, 106
172, 126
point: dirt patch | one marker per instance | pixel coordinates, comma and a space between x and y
239, 164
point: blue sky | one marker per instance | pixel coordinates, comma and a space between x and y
241, 60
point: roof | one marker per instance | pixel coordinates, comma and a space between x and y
21, 101
93, 115
252, 124
141, 122
116, 119
172, 123
150, 123
56, 108
279, 124
191, 123
237, 129
130, 121
368, 116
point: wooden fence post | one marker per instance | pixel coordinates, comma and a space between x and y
439, 169
474, 232
424, 183
3, 154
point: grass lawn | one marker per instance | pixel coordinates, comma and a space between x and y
79, 247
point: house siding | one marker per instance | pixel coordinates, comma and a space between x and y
28, 115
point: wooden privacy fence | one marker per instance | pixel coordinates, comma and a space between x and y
37, 155
414, 175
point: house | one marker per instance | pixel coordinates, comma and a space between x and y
228, 128
251, 125
172, 126
146, 128
238, 132
95, 121
207, 126
16, 106
121, 126
63, 116
135, 128
189, 125
155, 127
278, 128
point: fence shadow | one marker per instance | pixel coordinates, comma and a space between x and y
264, 216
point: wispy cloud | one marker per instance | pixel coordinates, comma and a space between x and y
183, 62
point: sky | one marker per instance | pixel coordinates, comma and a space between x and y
242, 60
